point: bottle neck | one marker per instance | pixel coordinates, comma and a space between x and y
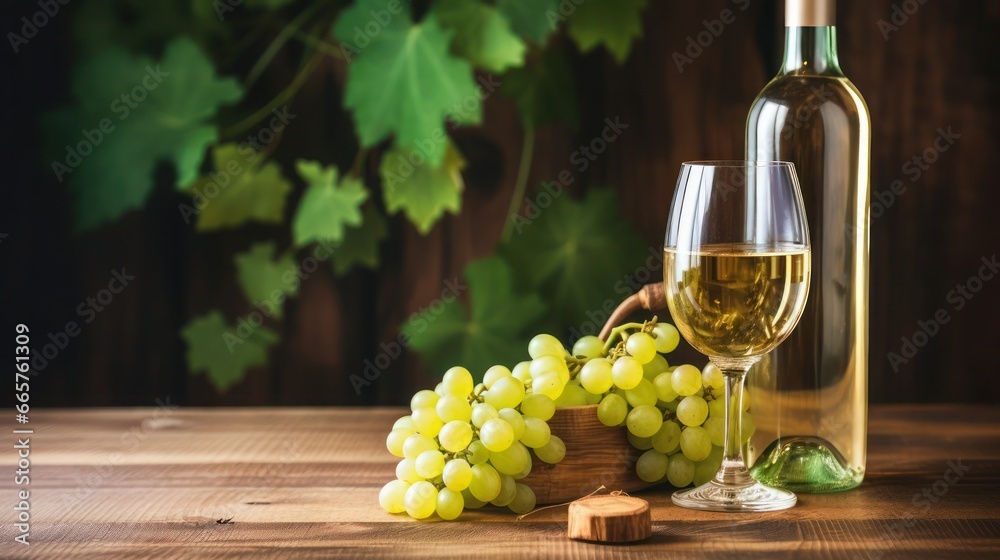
811, 51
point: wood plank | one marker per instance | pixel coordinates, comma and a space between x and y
303, 483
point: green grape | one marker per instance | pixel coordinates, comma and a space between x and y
553, 451
455, 436
439, 390
717, 408
545, 345
525, 471
457, 474
686, 380
536, 433
395, 440
643, 393
644, 421
420, 499
508, 490
511, 460
472, 502
640, 443
392, 496
507, 392
477, 453
664, 387
668, 438
627, 372
666, 337
593, 398
641, 346
612, 410
549, 364
496, 434
669, 406
588, 347
711, 376
716, 429
654, 367
493, 374
538, 406
522, 371
485, 484
514, 418
651, 466
700, 392
450, 407
746, 399
706, 470
572, 395
427, 422
695, 443
406, 470
429, 464
548, 384
692, 411
417, 444
404, 422
680, 470
481, 413
748, 427
595, 376
524, 500
423, 399
458, 381
449, 504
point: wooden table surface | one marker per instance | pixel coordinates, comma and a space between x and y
303, 483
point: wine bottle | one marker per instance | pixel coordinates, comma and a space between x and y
811, 393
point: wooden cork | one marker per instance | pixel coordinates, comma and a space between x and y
610, 518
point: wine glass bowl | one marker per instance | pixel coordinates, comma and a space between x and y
736, 275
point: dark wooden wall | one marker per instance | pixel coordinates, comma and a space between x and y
939, 70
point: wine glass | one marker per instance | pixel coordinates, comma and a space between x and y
736, 275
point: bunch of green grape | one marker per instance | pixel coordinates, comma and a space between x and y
466, 445
674, 414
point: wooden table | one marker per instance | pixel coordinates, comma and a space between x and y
303, 483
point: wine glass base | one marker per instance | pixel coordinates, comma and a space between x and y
713, 496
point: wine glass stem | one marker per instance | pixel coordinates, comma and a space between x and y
733, 471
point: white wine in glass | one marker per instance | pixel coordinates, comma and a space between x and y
736, 274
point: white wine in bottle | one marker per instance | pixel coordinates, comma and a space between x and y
810, 394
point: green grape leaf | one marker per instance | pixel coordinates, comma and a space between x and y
135, 113
532, 19
405, 81
360, 245
482, 34
263, 278
614, 23
575, 254
494, 329
423, 192
327, 207
543, 90
239, 190
223, 351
